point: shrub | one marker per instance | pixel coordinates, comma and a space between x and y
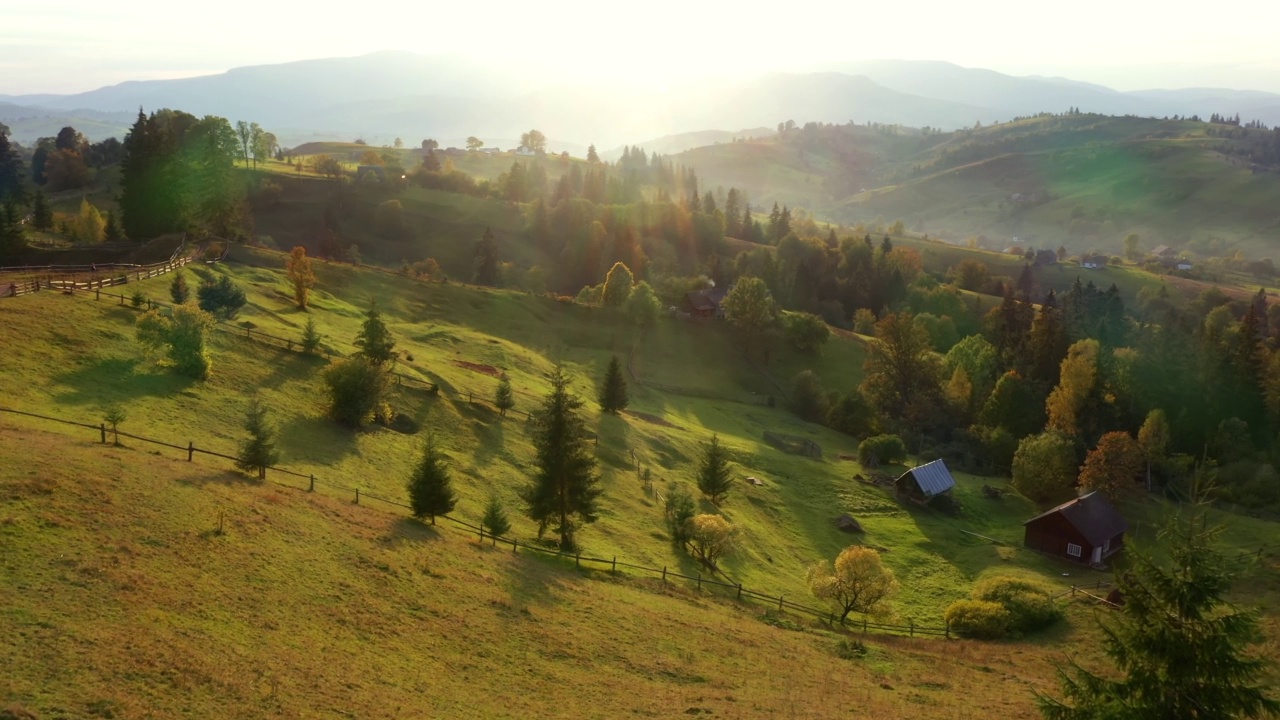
980, 619
881, 449
1029, 605
357, 391
679, 510
805, 331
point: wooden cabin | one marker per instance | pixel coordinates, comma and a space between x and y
1087, 530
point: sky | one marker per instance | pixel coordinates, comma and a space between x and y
67, 46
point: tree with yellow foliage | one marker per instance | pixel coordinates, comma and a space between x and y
297, 267
857, 581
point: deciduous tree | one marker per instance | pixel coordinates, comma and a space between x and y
1044, 466
1068, 404
181, 335
856, 582
1112, 466
617, 285
297, 268
709, 538
358, 391
643, 306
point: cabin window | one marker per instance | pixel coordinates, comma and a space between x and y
1073, 550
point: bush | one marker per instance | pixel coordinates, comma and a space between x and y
357, 391
808, 399
980, 619
805, 331
1028, 603
881, 449
220, 297
679, 510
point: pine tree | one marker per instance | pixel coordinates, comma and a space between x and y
486, 263
12, 186
503, 398
613, 390
375, 340
310, 336
13, 240
41, 213
430, 488
112, 232
713, 471
259, 451
495, 521
179, 291
1180, 647
565, 489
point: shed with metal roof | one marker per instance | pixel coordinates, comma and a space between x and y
925, 482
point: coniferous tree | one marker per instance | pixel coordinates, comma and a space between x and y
1181, 649
374, 340
12, 186
504, 399
259, 451
41, 213
613, 389
495, 520
179, 291
310, 336
565, 490
430, 487
13, 240
486, 263
714, 479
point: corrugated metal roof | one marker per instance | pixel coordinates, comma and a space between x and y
933, 478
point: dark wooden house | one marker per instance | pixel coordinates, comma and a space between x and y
705, 303
1087, 530
925, 482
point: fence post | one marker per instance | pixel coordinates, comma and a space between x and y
97, 292
864, 624
615, 565
948, 630
312, 487
122, 298
357, 496
577, 560
779, 603
482, 533
739, 591
1073, 589
699, 581
514, 546
191, 450
103, 428
664, 574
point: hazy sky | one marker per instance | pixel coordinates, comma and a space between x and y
62, 46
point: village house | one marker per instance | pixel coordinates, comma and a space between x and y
1087, 530
1164, 251
705, 303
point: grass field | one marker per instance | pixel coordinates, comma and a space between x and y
298, 558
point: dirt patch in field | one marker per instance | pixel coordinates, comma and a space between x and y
650, 419
476, 367
854, 458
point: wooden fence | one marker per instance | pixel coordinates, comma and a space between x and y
727, 588
131, 273
794, 444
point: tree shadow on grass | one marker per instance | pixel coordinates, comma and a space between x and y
542, 578
407, 530
286, 366
319, 440
116, 380
222, 477
612, 445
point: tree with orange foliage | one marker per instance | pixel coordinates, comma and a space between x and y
1113, 465
297, 267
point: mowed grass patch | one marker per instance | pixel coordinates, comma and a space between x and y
119, 593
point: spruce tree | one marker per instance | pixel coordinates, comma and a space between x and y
179, 291
13, 241
12, 184
713, 472
111, 231
259, 451
1180, 648
613, 391
374, 340
495, 521
504, 399
430, 488
565, 489
310, 337
41, 213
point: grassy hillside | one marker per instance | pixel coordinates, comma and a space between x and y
1081, 181
405, 617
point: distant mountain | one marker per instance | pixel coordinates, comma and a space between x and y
396, 94
28, 123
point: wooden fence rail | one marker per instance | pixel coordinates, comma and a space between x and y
612, 564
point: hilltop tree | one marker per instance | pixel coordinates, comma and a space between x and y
398, 143
244, 131
1180, 647
374, 340
430, 487
534, 141
474, 143
181, 335
297, 268
179, 291
486, 262
613, 388
617, 285
504, 399
714, 479
259, 451
1113, 465
430, 145
709, 538
856, 582
592, 156
565, 490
